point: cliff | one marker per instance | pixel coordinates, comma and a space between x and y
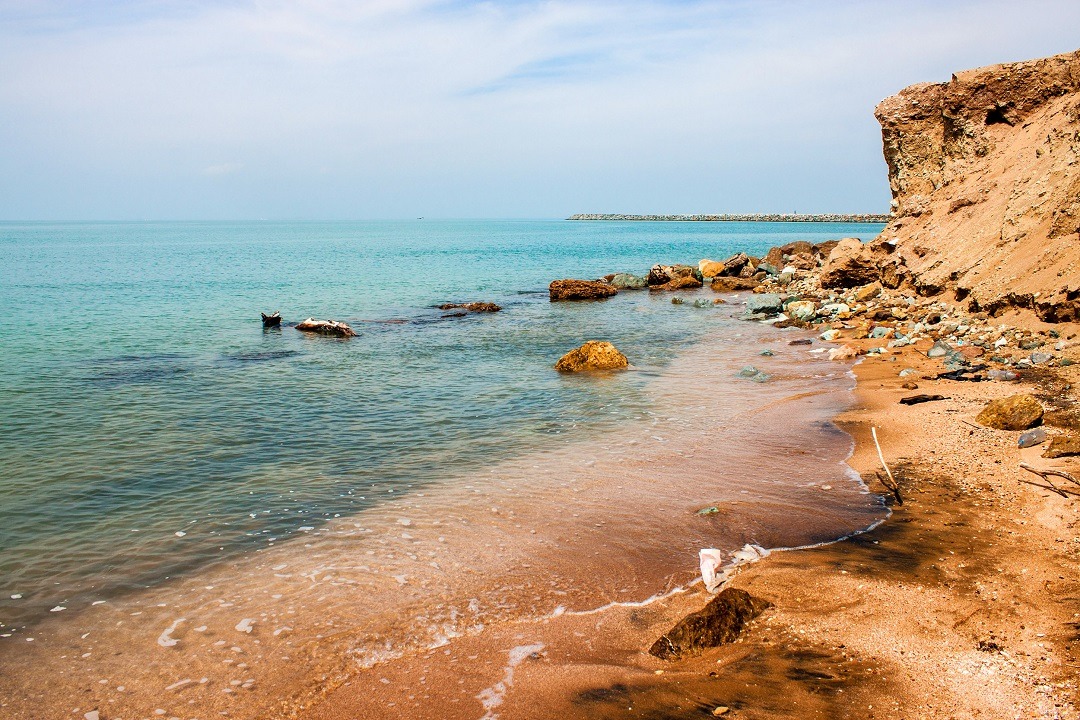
986, 187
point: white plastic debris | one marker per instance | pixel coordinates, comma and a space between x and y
717, 568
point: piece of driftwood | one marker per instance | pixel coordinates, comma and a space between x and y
1046, 475
272, 320
916, 399
887, 480
332, 328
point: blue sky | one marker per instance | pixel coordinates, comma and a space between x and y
326, 109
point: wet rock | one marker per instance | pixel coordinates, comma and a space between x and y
801, 341
472, 307
333, 328
664, 274
1063, 446
627, 281
710, 268
735, 264
702, 303
850, 264
579, 290
1031, 438
717, 623
677, 301
748, 371
593, 355
1017, 412
844, 352
682, 282
764, 303
730, 284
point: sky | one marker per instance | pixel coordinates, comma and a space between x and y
381, 109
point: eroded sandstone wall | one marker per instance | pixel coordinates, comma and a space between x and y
985, 179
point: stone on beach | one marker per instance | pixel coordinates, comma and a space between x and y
765, 303
580, 290
627, 281
664, 274
850, 264
1016, 412
732, 284
682, 282
1063, 446
332, 328
593, 355
719, 622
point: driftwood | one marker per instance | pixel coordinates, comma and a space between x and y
1046, 475
332, 328
273, 320
887, 480
916, 399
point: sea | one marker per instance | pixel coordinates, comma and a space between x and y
200, 512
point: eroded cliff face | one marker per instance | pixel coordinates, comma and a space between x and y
985, 176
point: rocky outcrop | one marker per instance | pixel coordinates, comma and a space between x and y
664, 274
333, 328
580, 290
986, 186
593, 355
851, 263
717, 623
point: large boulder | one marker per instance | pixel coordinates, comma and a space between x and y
333, 328
731, 284
627, 281
717, 623
710, 268
1017, 412
764, 303
593, 355
850, 264
580, 290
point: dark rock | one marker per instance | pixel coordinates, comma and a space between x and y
916, 399
579, 290
472, 307
1017, 412
717, 623
801, 341
273, 320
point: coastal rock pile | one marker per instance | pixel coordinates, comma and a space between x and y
580, 290
593, 355
986, 187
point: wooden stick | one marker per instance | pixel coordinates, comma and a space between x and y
1055, 473
1051, 487
891, 484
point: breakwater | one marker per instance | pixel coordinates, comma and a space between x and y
751, 217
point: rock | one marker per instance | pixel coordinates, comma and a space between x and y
845, 352
1031, 438
735, 265
849, 264
972, 351
627, 281
677, 301
729, 284
768, 269
681, 282
717, 623
1063, 446
1017, 412
868, 292
830, 335
1003, 375
910, 385
663, 274
593, 355
801, 310
765, 303
940, 349
766, 353
1040, 358
333, 328
748, 371
801, 341
702, 303
580, 290
710, 268
472, 307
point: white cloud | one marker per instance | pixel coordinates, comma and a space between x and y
395, 108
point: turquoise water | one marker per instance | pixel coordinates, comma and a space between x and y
149, 425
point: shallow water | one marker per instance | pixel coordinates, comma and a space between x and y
176, 464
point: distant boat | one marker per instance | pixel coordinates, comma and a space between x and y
271, 320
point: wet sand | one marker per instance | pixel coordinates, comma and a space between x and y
964, 604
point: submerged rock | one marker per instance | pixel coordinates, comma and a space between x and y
472, 307
580, 290
1017, 412
717, 623
593, 355
627, 281
332, 328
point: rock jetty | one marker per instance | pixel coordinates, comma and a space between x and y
744, 217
